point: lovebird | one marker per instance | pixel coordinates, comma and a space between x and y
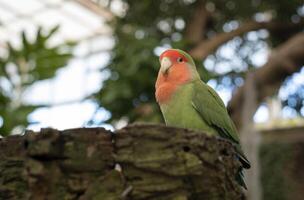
187, 102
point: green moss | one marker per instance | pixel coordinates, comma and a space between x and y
158, 163
275, 159
11, 178
109, 187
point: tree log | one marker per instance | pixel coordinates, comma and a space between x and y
156, 162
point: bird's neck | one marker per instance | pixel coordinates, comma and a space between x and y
166, 85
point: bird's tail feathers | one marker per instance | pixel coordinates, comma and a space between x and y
245, 162
240, 178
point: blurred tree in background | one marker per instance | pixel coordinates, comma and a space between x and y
23, 66
228, 38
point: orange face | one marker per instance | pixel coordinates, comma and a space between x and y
174, 56
174, 71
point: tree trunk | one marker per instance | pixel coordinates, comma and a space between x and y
152, 162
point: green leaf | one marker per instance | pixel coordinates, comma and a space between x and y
34, 61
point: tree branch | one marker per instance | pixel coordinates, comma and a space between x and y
196, 27
288, 58
206, 47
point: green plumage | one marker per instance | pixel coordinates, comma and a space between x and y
195, 105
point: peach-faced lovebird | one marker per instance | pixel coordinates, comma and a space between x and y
188, 102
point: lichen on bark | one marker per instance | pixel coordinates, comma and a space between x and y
157, 162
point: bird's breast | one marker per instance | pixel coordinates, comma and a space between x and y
164, 92
180, 112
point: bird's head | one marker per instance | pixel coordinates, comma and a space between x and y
176, 68
177, 65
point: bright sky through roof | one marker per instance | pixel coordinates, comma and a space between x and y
81, 76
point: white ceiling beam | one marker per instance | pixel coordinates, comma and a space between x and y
97, 9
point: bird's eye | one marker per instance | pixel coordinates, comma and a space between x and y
180, 59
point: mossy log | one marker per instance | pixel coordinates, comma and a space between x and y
137, 162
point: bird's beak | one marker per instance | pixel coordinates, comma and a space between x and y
165, 65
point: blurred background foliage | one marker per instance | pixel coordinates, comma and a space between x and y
33, 61
151, 26
141, 33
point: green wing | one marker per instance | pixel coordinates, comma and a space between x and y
212, 109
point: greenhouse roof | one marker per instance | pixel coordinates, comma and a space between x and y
79, 20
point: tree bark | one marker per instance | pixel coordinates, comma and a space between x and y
156, 162
250, 139
197, 25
